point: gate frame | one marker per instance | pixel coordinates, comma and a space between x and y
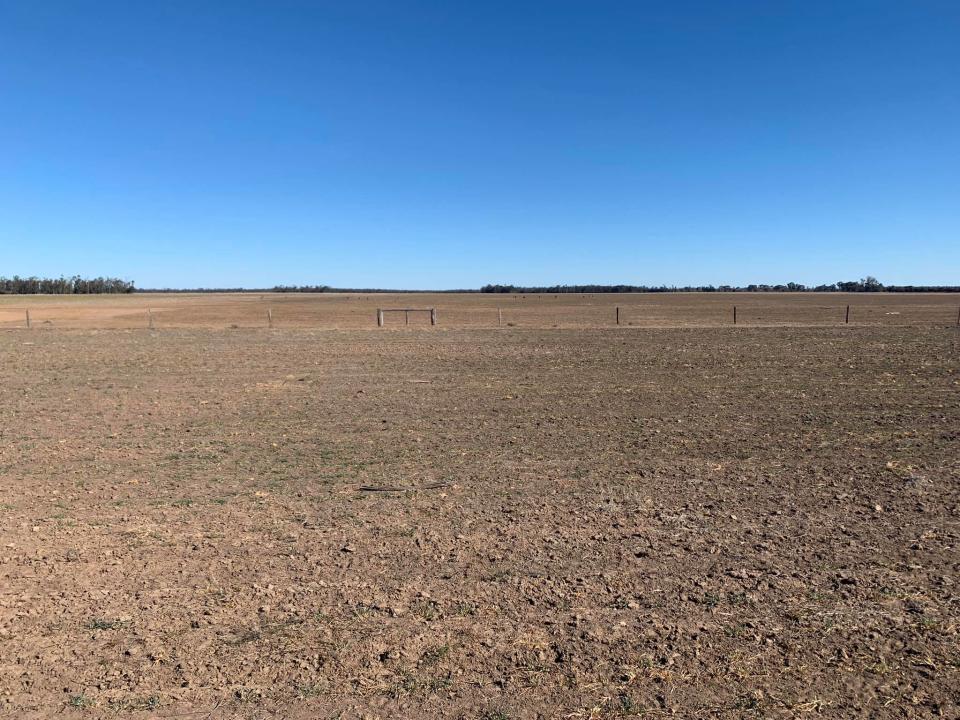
406, 314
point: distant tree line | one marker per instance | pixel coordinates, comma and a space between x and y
358, 291
295, 289
75, 285
192, 291
867, 284
302, 288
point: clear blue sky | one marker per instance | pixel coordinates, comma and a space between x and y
450, 144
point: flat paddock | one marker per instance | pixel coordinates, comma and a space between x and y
476, 522
358, 311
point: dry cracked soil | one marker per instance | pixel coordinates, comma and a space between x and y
480, 523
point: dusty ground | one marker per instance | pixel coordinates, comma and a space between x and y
481, 523
353, 311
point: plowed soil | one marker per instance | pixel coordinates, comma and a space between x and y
734, 522
346, 311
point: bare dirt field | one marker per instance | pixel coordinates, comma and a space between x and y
358, 311
555, 519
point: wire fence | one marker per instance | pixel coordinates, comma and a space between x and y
478, 311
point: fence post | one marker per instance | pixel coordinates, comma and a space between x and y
406, 317
846, 320
500, 317
379, 317
734, 314
433, 316
150, 318
28, 319
269, 317
618, 314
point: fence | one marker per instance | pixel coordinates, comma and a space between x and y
406, 314
330, 311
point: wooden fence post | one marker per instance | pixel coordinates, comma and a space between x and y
618, 314
28, 319
406, 317
379, 317
269, 317
734, 314
433, 316
846, 319
500, 317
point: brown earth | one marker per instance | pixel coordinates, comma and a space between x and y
484, 523
354, 311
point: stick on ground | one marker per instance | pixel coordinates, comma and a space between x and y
398, 488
